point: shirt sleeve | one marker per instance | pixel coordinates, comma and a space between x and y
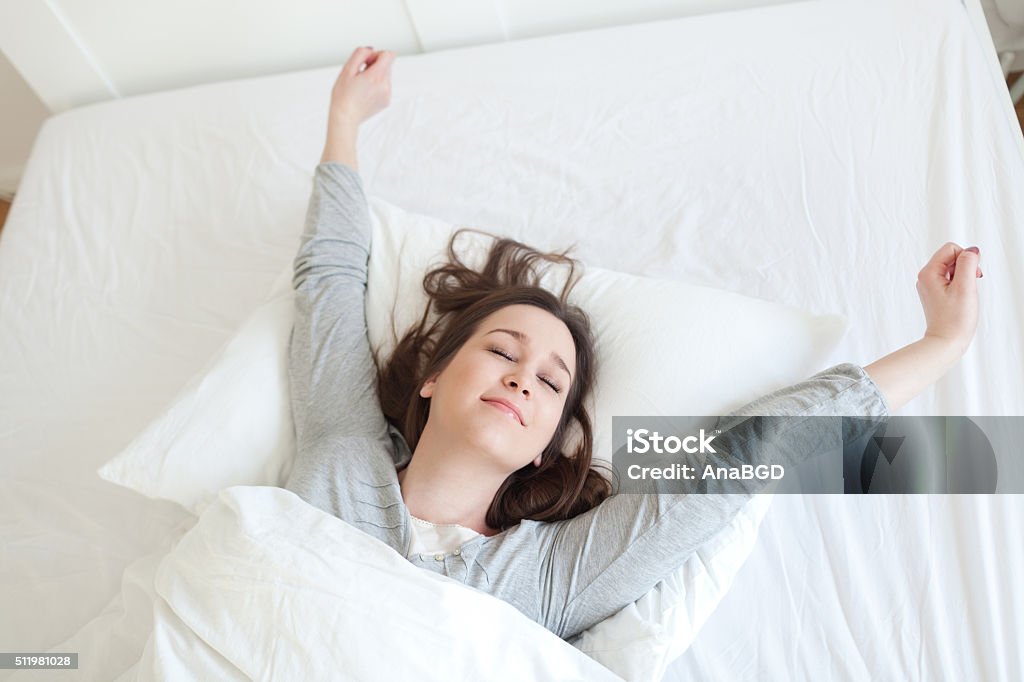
596, 563
331, 370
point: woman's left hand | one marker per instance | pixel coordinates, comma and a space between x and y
363, 87
948, 289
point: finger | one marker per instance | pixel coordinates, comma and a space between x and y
939, 268
952, 269
382, 60
944, 258
966, 269
359, 55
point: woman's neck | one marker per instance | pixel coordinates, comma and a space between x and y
444, 485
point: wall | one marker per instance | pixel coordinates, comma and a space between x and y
21, 115
1006, 23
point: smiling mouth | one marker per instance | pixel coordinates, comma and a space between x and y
507, 410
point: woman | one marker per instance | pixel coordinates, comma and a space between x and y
458, 461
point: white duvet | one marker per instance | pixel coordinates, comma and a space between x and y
268, 587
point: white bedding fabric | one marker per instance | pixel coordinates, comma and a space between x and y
232, 425
813, 154
267, 587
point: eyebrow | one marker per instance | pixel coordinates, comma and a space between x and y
523, 338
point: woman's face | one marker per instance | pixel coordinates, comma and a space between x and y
504, 391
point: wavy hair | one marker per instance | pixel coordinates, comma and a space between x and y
566, 483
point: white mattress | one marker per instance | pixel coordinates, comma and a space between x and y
814, 153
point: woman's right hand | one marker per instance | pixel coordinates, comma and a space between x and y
948, 289
363, 87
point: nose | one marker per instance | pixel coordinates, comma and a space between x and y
516, 385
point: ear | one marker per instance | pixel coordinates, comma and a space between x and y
536, 461
428, 387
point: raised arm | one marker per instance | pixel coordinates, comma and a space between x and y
596, 563
330, 366
331, 369
600, 561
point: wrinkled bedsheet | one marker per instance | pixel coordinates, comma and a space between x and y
813, 153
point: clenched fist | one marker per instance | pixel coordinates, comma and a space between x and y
363, 87
948, 289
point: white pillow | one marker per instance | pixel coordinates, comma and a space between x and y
230, 425
664, 347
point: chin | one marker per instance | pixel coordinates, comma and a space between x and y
497, 447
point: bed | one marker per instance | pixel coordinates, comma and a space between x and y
813, 154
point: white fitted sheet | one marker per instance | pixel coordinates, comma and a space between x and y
814, 154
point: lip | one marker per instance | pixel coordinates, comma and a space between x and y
505, 403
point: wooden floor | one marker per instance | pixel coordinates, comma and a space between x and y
5, 206
1020, 105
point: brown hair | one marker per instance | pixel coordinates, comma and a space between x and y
564, 485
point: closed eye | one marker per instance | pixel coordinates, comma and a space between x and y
498, 351
552, 385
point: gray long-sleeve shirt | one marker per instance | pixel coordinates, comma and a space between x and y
566, 575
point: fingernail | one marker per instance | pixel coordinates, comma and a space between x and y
975, 249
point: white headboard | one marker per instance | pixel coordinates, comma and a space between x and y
73, 53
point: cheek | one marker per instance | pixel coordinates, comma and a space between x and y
459, 372
552, 417
472, 367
